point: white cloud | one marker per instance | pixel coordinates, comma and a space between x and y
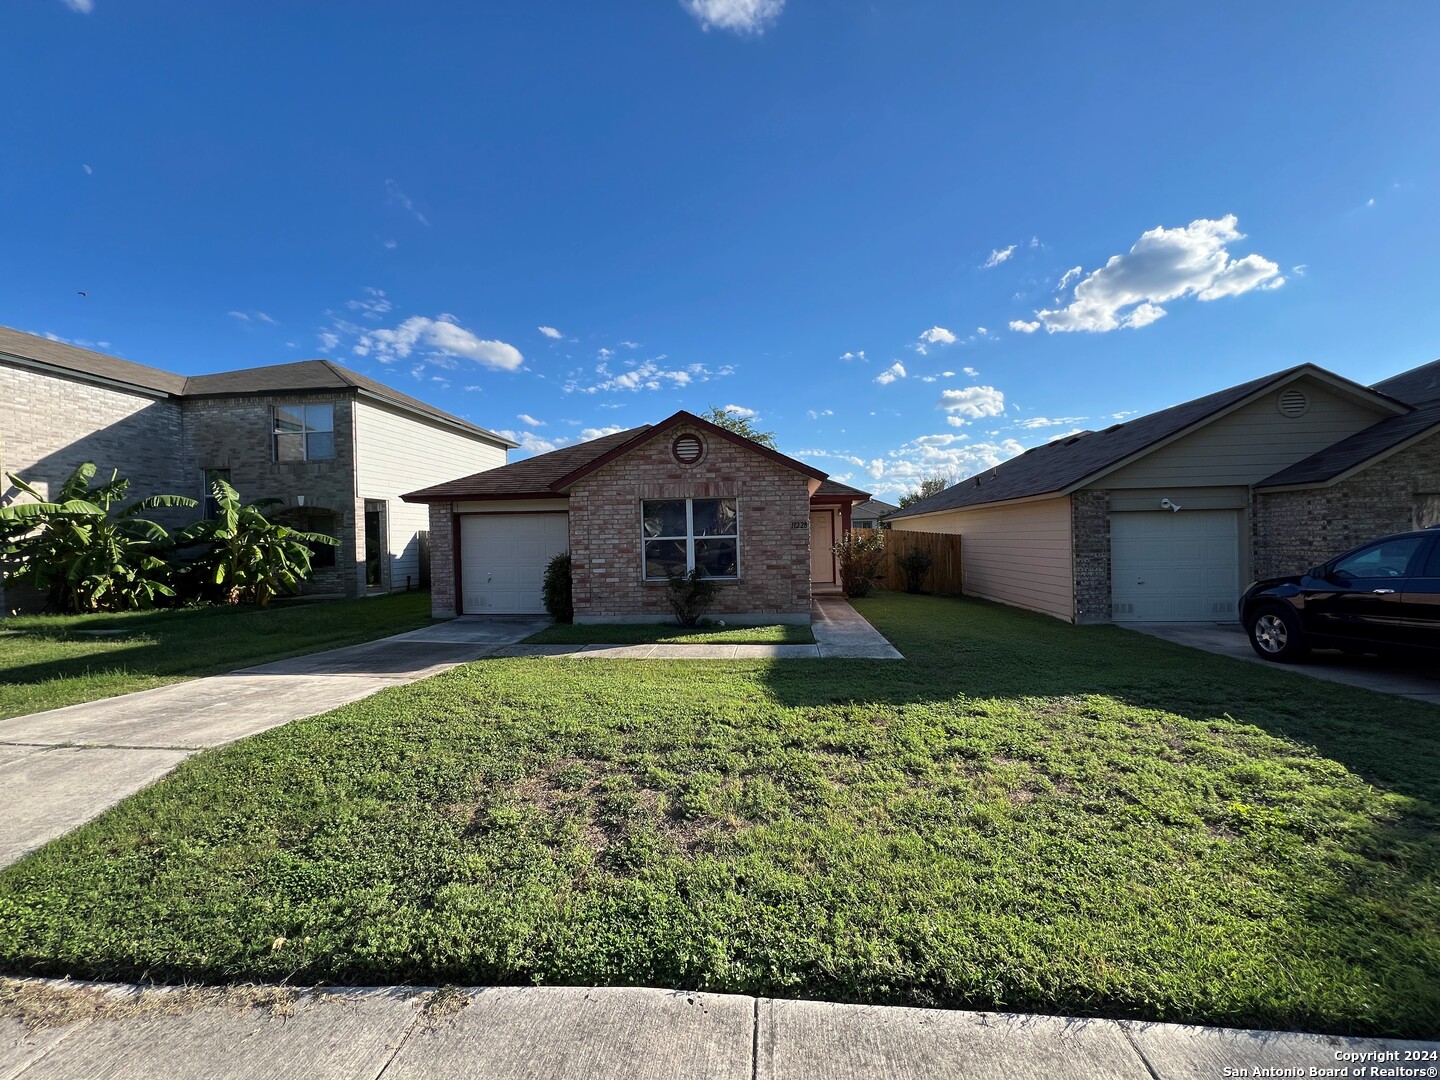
968, 371
1069, 276
390, 245
998, 256
88, 170
373, 305
973, 402
586, 434
605, 354
815, 414
1299, 271
443, 337
938, 335
329, 340
530, 421
1032, 422
853, 355
1022, 327
630, 344
249, 316
397, 196
981, 331
951, 455
647, 375
530, 443
890, 374
740, 411
737, 16
84, 7
1065, 435
1163, 265
550, 332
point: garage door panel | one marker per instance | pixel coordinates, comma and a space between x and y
1174, 567
503, 559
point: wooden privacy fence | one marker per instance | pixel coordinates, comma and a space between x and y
943, 548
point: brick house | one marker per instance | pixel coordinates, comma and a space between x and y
1166, 518
632, 508
336, 448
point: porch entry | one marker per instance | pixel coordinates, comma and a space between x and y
822, 540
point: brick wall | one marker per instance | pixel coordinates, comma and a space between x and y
1295, 530
235, 434
1090, 532
442, 561
605, 530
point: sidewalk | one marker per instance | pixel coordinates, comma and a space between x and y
75, 1031
63, 767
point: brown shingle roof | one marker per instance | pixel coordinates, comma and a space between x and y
57, 354
834, 487
533, 478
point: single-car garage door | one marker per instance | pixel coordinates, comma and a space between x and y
502, 561
1175, 567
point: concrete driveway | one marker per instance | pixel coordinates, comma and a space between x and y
1390, 675
61, 768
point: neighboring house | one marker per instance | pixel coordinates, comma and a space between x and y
1166, 518
336, 448
869, 514
633, 508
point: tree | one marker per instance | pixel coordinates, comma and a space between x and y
250, 557
723, 416
81, 551
931, 485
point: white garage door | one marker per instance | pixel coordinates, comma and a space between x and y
502, 561
1175, 567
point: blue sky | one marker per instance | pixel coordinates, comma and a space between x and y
559, 218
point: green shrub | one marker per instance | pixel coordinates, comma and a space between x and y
559, 601
861, 553
690, 596
914, 564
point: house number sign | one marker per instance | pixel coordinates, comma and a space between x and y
799, 524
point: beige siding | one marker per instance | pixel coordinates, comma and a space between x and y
396, 452
1249, 444
1017, 554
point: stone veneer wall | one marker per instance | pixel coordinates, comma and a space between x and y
1295, 530
442, 561
1090, 539
235, 433
605, 530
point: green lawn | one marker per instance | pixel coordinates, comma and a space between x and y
47, 661
657, 634
1023, 815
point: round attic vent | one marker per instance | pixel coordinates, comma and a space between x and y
1293, 403
688, 449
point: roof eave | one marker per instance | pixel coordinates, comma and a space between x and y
455, 424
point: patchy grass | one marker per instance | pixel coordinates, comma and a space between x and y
1023, 815
666, 634
47, 661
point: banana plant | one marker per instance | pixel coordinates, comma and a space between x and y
250, 557
81, 550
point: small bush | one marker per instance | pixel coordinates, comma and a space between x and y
558, 599
690, 596
914, 564
861, 553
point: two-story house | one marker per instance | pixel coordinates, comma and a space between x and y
336, 448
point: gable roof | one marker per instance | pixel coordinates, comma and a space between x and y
1065, 464
1338, 460
320, 375
873, 508
1414, 387
299, 377
44, 352
533, 478
838, 492
547, 475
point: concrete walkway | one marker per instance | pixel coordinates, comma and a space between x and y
61, 768
1388, 675
840, 632
74, 1031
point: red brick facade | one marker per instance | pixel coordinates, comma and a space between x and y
773, 505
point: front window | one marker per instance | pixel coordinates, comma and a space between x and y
304, 432
680, 535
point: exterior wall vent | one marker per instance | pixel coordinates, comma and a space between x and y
688, 449
1293, 403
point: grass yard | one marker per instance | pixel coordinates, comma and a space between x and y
47, 661
1024, 815
658, 634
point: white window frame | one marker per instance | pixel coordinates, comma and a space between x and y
690, 537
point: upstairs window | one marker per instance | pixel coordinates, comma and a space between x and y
679, 535
304, 432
